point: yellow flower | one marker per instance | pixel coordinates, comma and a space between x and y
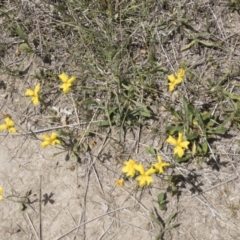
179, 144
34, 94
160, 165
144, 178
129, 168
67, 82
119, 182
9, 125
50, 140
175, 80
1, 193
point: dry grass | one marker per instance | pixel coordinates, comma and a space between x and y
119, 108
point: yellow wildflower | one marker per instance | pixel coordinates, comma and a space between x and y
9, 125
160, 165
67, 82
50, 140
175, 80
119, 182
34, 94
179, 144
1, 193
144, 178
129, 168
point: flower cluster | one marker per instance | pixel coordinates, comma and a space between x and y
144, 177
1, 193
66, 86
9, 125
174, 80
67, 82
180, 144
34, 94
50, 140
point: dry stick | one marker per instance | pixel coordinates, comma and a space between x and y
40, 209
215, 186
118, 209
208, 204
34, 230
106, 230
71, 217
215, 159
75, 110
85, 196
50, 129
165, 53
92, 165
132, 225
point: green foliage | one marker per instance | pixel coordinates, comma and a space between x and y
164, 226
199, 128
162, 201
234, 4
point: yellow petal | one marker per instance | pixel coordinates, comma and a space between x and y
3, 127
171, 86
63, 77
150, 171
35, 100
44, 144
185, 144
181, 73
171, 78
45, 137
56, 141
139, 168
54, 135
65, 87
159, 158
171, 140
119, 182
12, 130
72, 79
9, 122
149, 180
29, 92
178, 80
180, 137
179, 151
37, 89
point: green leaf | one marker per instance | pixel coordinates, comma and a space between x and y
175, 114
162, 201
22, 207
63, 133
197, 115
103, 123
182, 159
170, 218
205, 147
192, 43
172, 129
188, 111
25, 47
150, 150
206, 43
218, 130
21, 33
230, 95
156, 220
161, 197
56, 154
